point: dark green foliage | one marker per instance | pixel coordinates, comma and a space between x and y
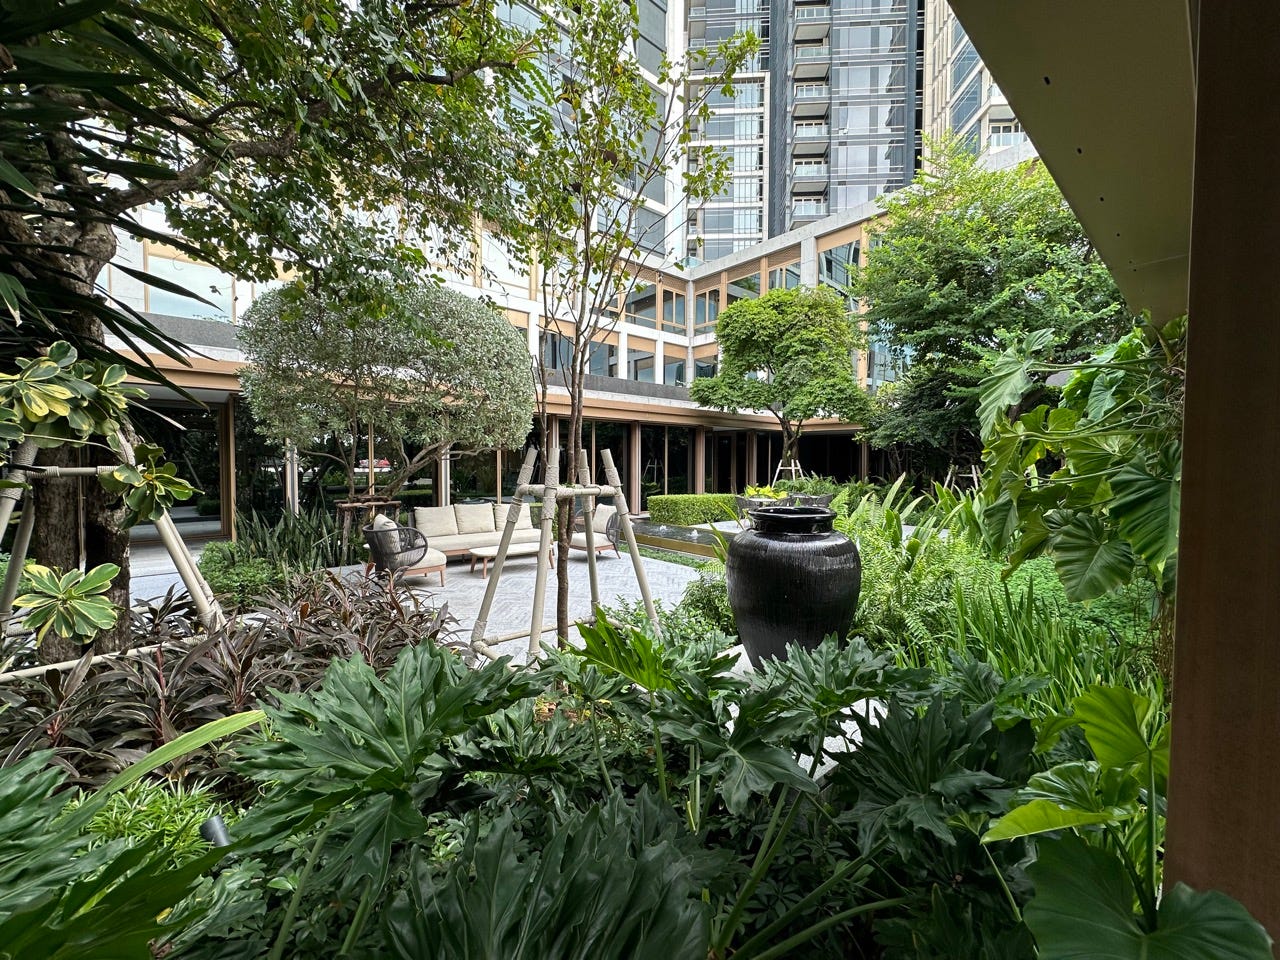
300, 542
800, 339
611, 882
964, 256
66, 895
98, 718
208, 506
707, 599
688, 509
923, 785
810, 485
236, 575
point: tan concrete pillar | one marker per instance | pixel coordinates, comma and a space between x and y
1224, 814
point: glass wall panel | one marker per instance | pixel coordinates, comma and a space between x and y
190, 438
653, 462
474, 476
616, 438
200, 279
679, 460
640, 366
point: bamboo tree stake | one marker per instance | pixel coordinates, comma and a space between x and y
550, 500
513, 515
624, 521
17, 558
589, 515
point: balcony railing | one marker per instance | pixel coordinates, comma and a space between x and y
812, 13
809, 208
812, 131
812, 91
998, 141
819, 52
809, 171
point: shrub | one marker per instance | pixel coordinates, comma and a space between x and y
208, 506
97, 718
810, 486
706, 600
159, 815
297, 543
237, 576
687, 509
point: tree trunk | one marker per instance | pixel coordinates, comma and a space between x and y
55, 539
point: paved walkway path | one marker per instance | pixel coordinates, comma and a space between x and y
463, 590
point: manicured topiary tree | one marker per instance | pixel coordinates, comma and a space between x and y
789, 353
421, 367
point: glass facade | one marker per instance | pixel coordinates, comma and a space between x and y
848, 104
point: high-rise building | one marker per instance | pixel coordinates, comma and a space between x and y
959, 94
827, 117
735, 219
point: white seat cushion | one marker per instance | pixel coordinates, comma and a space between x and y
474, 518
579, 542
433, 558
435, 522
500, 511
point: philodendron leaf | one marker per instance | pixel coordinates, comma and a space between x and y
1074, 794
1124, 730
1088, 560
1146, 509
1009, 380
1083, 910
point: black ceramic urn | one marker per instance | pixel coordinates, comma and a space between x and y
792, 579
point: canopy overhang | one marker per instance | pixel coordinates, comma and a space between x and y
1106, 92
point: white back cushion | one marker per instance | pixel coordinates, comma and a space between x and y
500, 511
604, 513
435, 521
474, 517
383, 522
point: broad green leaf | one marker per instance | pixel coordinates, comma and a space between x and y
1083, 910
1009, 380
1124, 730
1146, 509
1089, 562
1073, 794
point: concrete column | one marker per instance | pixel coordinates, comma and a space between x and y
227, 467
658, 360
1224, 790
699, 459
809, 262
623, 369
444, 496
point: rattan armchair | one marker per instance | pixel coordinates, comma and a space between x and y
604, 537
403, 551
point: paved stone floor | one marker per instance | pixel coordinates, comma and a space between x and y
463, 590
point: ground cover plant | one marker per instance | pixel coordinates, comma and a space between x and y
636, 798
97, 718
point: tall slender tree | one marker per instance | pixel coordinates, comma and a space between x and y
609, 134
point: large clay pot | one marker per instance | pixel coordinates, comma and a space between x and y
792, 579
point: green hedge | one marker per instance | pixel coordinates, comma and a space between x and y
686, 509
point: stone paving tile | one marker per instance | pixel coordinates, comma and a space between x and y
513, 603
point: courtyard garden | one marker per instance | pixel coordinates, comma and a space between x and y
295, 755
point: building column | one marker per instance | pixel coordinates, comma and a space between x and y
635, 468
1225, 781
809, 262
658, 360
227, 467
699, 459
623, 369
443, 495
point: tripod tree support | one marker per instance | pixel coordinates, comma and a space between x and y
552, 494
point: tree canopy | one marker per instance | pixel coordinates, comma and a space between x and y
964, 256
788, 352
422, 368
